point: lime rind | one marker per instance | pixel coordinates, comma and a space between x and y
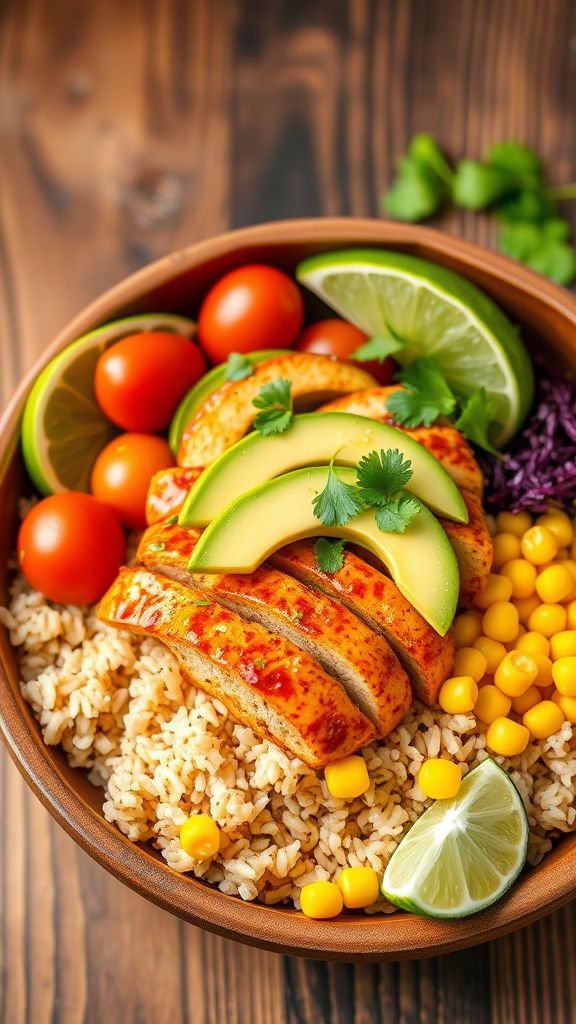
205, 387
437, 313
63, 428
464, 854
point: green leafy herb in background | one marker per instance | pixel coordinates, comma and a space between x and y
275, 402
377, 348
329, 554
238, 367
509, 182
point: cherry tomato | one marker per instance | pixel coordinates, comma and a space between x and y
340, 339
250, 308
140, 380
70, 547
122, 473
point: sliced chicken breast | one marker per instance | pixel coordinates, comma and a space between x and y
473, 547
168, 491
427, 657
344, 645
264, 680
228, 414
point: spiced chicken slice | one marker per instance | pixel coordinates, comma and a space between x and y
263, 679
343, 645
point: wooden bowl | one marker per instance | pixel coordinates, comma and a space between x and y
175, 284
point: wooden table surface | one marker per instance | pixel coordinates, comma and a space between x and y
129, 128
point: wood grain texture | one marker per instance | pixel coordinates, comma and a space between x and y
130, 129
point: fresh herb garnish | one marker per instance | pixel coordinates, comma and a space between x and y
396, 514
259, 663
329, 554
378, 348
509, 182
238, 367
275, 402
338, 502
172, 521
158, 547
475, 419
425, 397
382, 474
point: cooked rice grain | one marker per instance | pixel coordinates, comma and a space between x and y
162, 749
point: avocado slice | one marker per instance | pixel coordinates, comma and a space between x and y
202, 390
420, 560
312, 439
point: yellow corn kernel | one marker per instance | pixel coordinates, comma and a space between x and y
492, 704
570, 564
533, 643
548, 619
525, 606
516, 673
564, 676
501, 621
571, 615
567, 706
554, 584
514, 522
539, 545
522, 576
200, 837
505, 547
498, 588
523, 703
492, 650
359, 887
458, 695
563, 644
467, 628
544, 719
321, 900
347, 778
544, 677
559, 524
506, 737
439, 779
470, 661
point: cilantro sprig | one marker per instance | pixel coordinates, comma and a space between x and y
509, 182
426, 395
380, 477
275, 403
329, 554
238, 367
377, 348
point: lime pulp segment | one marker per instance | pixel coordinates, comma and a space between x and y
462, 854
63, 427
435, 312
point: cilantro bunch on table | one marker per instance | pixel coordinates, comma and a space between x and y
509, 183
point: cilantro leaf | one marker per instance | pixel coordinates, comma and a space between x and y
527, 204
396, 514
475, 418
480, 185
238, 367
203, 604
338, 502
425, 397
381, 474
544, 247
416, 193
377, 348
515, 158
275, 402
171, 521
329, 554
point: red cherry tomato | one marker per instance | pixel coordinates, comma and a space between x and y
340, 339
122, 473
70, 547
140, 380
250, 308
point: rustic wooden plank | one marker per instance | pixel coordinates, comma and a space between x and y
127, 130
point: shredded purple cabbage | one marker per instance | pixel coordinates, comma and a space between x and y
539, 470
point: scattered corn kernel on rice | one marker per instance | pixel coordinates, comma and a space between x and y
163, 750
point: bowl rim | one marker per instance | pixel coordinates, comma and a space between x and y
346, 938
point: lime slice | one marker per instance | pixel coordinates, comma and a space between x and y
202, 390
63, 427
462, 854
435, 312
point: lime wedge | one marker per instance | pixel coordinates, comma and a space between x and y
63, 427
462, 854
434, 312
202, 390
